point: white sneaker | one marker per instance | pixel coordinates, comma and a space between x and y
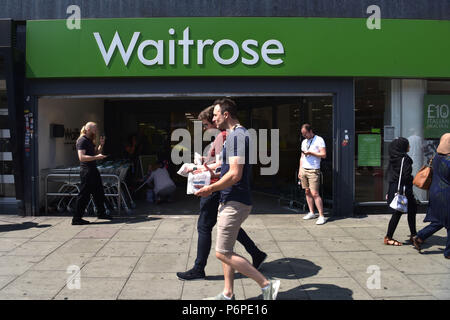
310, 216
321, 220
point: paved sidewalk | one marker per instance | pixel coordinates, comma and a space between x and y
137, 258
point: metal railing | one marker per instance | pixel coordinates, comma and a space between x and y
70, 179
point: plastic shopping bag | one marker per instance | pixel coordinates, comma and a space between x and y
185, 168
197, 181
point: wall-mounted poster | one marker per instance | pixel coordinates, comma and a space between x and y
436, 116
369, 150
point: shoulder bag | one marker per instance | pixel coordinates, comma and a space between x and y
424, 176
400, 202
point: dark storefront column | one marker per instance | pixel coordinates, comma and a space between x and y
344, 150
14, 60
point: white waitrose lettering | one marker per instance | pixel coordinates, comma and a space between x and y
271, 50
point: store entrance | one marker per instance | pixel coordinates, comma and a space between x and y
138, 132
288, 114
147, 125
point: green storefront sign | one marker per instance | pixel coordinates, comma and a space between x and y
436, 115
369, 150
237, 47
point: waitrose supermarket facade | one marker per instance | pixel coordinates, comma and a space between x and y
360, 81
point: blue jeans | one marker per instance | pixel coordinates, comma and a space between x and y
431, 229
206, 222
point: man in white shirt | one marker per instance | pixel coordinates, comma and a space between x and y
164, 187
313, 150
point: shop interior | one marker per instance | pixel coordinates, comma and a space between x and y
138, 134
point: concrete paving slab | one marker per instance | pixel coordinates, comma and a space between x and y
175, 229
392, 284
290, 234
349, 222
23, 233
438, 257
53, 221
416, 264
162, 262
94, 289
409, 298
360, 261
61, 261
172, 245
17, 265
380, 248
140, 235
58, 234
301, 249
103, 232
4, 280
324, 231
342, 244
152, 290
433, 282
122, 249
441, 294
109, 267
333, 289
150, 276
281, 221
32, 248
253, 222
37, 285
8, 244
199, 290
82, 246
364, 233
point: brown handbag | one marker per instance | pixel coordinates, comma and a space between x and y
424, 176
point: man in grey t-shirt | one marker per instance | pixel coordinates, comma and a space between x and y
235, 201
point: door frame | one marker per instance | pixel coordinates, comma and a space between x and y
342, 90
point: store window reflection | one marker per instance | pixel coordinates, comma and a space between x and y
371, 158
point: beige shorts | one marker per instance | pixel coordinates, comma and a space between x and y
310, 178
230, 217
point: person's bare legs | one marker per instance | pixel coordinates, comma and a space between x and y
229, 280
318, 201
232, 262
309, 200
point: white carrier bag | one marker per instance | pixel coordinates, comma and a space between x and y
197, 181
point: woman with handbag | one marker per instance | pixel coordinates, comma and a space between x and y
400, 182
438, 212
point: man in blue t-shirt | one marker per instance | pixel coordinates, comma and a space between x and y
235, 201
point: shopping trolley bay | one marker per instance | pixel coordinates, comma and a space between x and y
62, 186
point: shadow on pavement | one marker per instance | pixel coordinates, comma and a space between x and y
315, 291
285, 268
432, 242
127, 220
22, 226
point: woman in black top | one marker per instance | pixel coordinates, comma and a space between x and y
397, 151
91, 182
